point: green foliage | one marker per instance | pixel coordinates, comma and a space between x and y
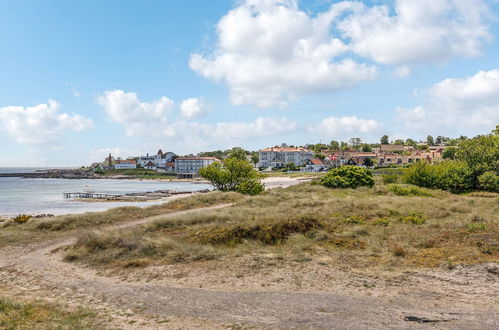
381, 222
489, 181
348, 177
408, 191
366, 148
448, 175
430, 141
414, 218
233, 175
391, 177
384, 139
238, 153
354, 219
474, 227
22, 218
481, 154
450, 153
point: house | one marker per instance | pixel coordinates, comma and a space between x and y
125, 164
160, 159
279, 157
150, 166
170, 167
189, 166
314, 165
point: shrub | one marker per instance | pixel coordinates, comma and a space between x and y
354, 219
489, 181
391, 177
250, 187
414, 218
448, 175
474, 227
381, 222
408, 191
348, 177
22, 218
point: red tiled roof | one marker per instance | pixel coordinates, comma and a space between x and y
316, 162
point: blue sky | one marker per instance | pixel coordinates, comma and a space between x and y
81, 79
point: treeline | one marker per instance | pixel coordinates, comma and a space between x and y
472, 165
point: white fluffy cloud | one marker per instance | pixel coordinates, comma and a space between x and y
40, 124
471, 102
157, 119
418, 31
192, 108
345, 127
270, 51
138, 118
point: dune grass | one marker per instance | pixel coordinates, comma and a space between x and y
41, 315
367, 227
16, 232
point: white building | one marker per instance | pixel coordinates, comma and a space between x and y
160, 160
189, 166
278, 157
125, 164
150, 166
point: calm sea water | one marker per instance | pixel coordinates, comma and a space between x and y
37, 196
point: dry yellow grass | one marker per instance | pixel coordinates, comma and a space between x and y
34, 229
367, 227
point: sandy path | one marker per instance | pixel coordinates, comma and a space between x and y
40, 271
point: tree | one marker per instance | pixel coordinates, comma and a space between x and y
343, 145
238, 153
430, 141
319, 156
334, 145
355, 142
233, 175
399, 142
366, 148
384, 139
410, 142
255, 157
449, 153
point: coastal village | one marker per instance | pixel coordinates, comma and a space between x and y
285, 158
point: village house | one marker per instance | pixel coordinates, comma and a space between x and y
125, 164
279, 157
188, 167
159, 160
150, 166
314, 165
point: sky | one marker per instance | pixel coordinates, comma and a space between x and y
81, 79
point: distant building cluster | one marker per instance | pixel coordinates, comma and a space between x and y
285, 157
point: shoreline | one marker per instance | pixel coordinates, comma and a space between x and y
270, 183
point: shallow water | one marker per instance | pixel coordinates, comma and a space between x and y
38, 196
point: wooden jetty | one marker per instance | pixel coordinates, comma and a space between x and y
90, 195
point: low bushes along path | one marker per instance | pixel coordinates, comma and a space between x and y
39, 272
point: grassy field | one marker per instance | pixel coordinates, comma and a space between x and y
387, 226
42, 315
11, 232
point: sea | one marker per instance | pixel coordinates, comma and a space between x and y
44, 196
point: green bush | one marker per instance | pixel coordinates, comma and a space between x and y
448, 175
408, 191
348, 177
414, 218
391, 177
250, 187
489, 181
381, 222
